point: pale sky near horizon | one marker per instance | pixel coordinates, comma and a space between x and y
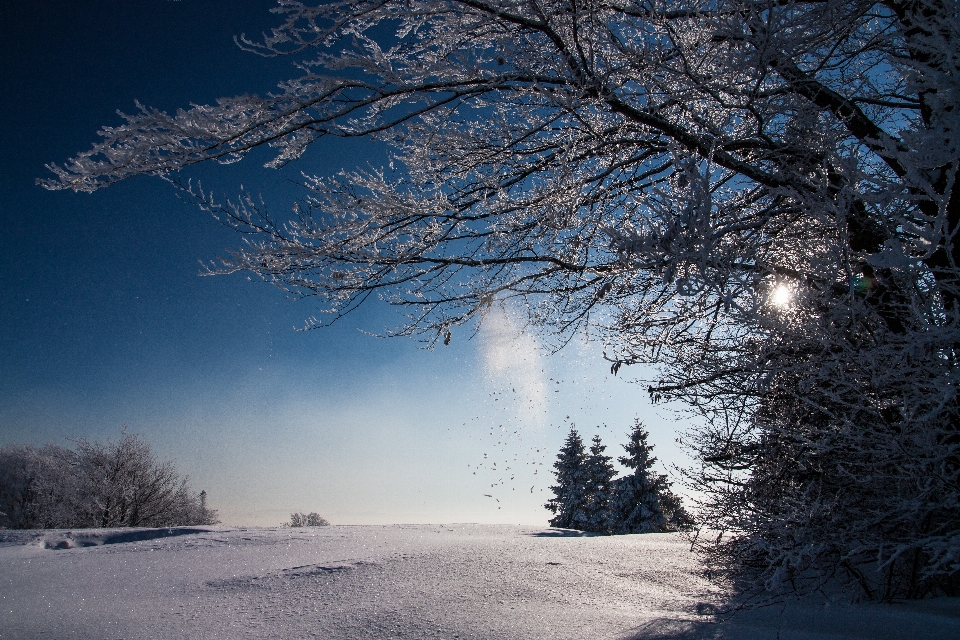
104, 320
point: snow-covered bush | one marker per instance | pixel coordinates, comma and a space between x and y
311, 519
112, 484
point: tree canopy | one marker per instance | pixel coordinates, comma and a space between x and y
758, 196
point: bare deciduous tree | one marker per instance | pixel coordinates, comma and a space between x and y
112, 484
758, 196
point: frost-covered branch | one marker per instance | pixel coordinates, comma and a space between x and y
761, 198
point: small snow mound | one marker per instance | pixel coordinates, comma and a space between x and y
97, 537
68, 540
57, 544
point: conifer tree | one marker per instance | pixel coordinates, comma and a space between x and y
569, 503
678, 519
642, 501
600, 476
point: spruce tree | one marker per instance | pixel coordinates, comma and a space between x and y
569, 503
599, 474
678, 519
642, 501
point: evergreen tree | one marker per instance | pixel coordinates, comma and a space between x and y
642, 501
569, 503
678, 519
600, 474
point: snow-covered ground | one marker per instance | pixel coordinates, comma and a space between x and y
408, 581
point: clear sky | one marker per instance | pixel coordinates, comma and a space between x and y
104, 320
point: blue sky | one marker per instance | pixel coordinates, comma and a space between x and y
104, 320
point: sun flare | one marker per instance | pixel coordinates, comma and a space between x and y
781, 296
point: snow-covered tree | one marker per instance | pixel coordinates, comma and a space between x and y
42, 488
599, 477
126, 485
204, 514
759, 197
570, 500
16, 494
678, 518
112, 484
589, 496
642, 500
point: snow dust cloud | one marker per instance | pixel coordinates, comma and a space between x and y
512, 360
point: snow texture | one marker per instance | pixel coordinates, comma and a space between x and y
467, 581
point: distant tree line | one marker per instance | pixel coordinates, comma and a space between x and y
589, 497
112, 484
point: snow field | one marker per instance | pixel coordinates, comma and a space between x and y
476, 582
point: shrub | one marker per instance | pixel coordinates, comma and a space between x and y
311, 519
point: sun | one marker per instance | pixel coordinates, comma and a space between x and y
781, 296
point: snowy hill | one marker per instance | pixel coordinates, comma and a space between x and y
407, 581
